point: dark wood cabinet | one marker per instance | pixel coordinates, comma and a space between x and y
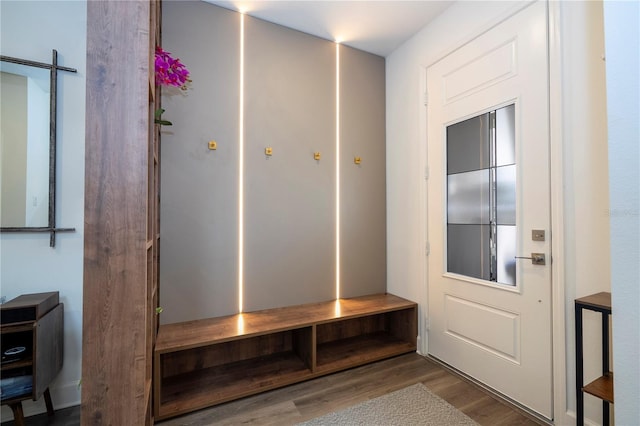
32, 343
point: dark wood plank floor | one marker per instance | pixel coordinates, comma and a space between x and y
314, 398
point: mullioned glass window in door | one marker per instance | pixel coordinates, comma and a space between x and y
481, 197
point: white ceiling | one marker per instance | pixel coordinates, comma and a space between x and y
375, 26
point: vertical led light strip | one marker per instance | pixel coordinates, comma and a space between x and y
337, 170
241, 174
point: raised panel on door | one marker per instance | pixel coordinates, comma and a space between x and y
199, 204
289, 197
362, 186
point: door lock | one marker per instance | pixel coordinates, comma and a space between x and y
537, 235
536, 258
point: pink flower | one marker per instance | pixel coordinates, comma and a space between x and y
170, 71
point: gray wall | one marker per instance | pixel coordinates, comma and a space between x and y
289, 198
199, 188
363, 265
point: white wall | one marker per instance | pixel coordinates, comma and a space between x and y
30, 30
406, 133
583, 135
623, 101
406, 151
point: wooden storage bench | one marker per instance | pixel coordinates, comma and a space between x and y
206, 362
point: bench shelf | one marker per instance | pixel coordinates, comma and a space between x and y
207, 362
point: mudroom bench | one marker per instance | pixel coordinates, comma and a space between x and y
210, 361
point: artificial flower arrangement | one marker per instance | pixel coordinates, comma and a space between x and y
169, 72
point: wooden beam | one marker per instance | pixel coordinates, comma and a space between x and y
116, 178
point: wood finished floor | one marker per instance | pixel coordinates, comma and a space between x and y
314, 398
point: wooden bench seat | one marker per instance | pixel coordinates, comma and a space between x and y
210, 361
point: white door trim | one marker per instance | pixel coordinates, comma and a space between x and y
557, 218
559, 382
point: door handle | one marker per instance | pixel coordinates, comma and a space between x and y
536, 258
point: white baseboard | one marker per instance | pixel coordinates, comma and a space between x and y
570, 420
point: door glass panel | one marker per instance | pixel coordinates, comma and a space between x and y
505, 136
468, 250
468, 197
468, 145
481, 197
506, 256
506, 195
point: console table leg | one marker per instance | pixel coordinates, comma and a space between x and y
18, 415
605, 363
579, 368
48, 403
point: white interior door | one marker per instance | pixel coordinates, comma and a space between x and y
488, 194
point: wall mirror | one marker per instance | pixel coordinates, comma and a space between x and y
28, 145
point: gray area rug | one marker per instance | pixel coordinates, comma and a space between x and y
413, 405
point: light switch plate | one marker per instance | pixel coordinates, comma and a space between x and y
213, 145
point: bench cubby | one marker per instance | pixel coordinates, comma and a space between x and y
207, 362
